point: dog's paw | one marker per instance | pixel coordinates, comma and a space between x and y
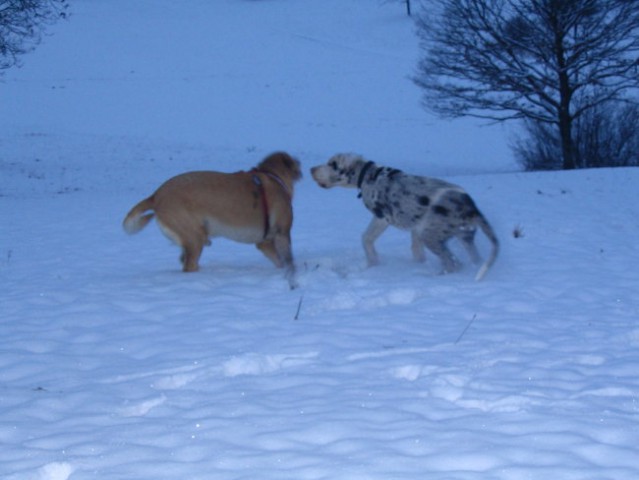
372, 261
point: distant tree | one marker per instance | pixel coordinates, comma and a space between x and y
406, 2
22, 23
605, 136
548, 62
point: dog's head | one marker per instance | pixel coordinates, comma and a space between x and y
282, 165
341, 170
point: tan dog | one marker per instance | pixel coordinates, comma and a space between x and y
248, 207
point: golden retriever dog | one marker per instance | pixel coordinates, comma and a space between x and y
249, 206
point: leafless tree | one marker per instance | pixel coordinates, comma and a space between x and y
22, 23
604, 136
405, 2
545, 61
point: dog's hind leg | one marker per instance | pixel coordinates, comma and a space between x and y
417, 247
193, 242
467, 239
372, 233
191, 253
437, 244
188, 236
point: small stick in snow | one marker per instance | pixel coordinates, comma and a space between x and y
299, 307
466, 329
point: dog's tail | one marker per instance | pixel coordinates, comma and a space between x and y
490, 233
135, 220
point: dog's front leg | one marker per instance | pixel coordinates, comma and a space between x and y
417, 246
372, 233
267, 247
284, 251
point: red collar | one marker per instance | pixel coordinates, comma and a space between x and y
260, 185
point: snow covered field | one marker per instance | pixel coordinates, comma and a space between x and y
115, 365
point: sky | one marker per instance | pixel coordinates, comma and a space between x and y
116, 365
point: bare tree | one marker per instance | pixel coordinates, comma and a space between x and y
604, 136
405, 2
22, 23
547, 61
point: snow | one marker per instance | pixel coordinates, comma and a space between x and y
115, 365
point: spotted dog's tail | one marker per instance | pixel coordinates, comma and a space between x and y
135, 221
490, 233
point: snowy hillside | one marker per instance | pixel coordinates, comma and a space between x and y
115, 365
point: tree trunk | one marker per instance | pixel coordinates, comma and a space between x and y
565, 99
567, 147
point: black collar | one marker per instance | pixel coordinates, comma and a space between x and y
362, 174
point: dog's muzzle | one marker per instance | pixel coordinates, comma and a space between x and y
316, 174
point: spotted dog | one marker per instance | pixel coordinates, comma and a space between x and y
433, 210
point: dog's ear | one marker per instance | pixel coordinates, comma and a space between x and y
287, 160
292, 165
284, 163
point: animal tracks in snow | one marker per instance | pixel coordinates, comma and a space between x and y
173, 380
139, 409
355, 287
258, 364
49, 471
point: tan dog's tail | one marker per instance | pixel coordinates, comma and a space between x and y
135, 220
490, 233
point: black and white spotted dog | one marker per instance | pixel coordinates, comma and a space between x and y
433, 210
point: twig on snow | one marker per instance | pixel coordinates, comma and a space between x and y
466, 329
299, 307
